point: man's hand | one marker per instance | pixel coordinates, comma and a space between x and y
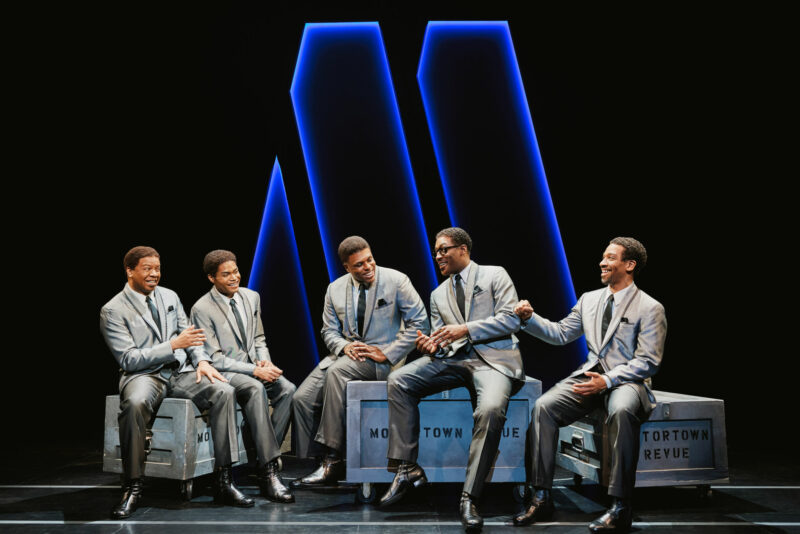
424, 344
350, 352
364, 351
596, 384
266, 371
524, 310
447, 334
191, 337
206, 369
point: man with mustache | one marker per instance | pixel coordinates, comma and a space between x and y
160, 354
231, 318
625, 332
370, 321
473, 345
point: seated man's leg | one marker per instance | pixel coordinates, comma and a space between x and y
280, 394
333, 421
558, 407
625, 414
252, 397
405, 387
307, 407
492, 390
139, 401
219, 399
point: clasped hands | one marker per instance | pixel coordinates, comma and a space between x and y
441, 338
359, 351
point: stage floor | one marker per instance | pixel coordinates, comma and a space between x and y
64, 490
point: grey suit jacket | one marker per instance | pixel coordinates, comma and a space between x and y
633, 345
393, 314
491, 322
223, 340
138, 344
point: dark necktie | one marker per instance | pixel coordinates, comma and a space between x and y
361, 308
238, 320
154, 312
460, 296
606, 317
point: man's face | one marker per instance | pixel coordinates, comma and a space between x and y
362, 266
449, 257
227, 278
145, 276
613, 269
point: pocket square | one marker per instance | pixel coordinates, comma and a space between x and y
381, 303
171, 308
477, 290
623, 320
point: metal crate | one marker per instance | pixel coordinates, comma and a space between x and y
445, 434
682, 443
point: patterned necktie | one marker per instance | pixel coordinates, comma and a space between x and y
606, 317
362, 306
238, 320
154, 312
460, 296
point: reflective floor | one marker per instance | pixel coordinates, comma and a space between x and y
66, 491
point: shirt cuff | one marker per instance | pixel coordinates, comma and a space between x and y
607, 380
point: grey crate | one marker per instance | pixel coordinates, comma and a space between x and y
445, 434
182, 446
682, 443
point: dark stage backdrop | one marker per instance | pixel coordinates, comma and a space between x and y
162, 127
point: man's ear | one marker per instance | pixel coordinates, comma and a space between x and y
630, 266
210, 278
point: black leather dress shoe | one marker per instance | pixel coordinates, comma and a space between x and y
470, 518
271, 484
408, 475
131, 495
329, 472
618, 518
226, 492
540, 508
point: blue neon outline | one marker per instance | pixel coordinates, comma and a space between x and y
331, 259
521, 105
275, 202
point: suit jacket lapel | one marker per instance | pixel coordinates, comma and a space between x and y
349, 310
144, 314
371, 300
249, 322
598, 320
620, 310
222, 307
162, 312
469, 289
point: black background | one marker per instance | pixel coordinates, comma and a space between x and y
139, 127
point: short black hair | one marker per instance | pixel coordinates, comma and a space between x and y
633, 250
215, 258
457, 235
351, 245
135, 254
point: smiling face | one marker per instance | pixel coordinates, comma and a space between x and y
450, 258
362, 266
615, 272
145, 276
227, 278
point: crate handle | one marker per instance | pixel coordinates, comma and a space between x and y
577, 441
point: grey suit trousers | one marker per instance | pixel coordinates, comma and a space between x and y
489, 390
140, 399
320, 404
559, 406
254, 397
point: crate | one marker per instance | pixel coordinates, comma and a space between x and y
445, 434
682, 443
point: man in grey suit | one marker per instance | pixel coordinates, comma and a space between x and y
625, 332
370, 321
230, 316
473, 345
160, 353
